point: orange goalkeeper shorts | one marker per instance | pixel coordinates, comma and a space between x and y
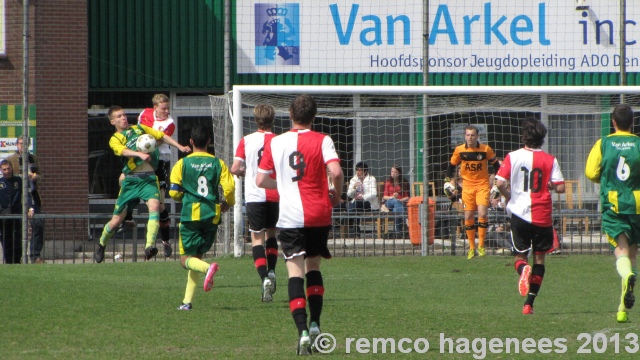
474, 196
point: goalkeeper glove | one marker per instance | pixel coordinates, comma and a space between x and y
449, 188
495, 192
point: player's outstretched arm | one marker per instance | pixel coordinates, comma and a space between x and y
169, 140
131, 153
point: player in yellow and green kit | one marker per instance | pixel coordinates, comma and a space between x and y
194, 183
140, 180
614, 162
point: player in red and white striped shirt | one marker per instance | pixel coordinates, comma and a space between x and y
262, 205
300, 158
159, 118
532, 173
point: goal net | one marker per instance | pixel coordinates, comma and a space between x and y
417, 128
222, 130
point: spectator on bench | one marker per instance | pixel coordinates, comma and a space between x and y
363, 192
396, 196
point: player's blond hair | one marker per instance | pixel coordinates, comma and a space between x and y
264, 116
159, 99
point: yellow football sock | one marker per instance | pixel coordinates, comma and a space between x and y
107, 234
193, 263
623, 265
193, 278
152, 228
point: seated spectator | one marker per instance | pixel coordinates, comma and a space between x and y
396, 196
363, 191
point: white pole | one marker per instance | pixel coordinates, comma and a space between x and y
424, 215
623, 46
238, 219
226, 225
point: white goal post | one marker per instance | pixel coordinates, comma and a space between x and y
417, 126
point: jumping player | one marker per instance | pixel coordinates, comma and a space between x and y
614, 163
532, 173
262, 205
474, 160
299, 158
159, 118
194, 183
140, 181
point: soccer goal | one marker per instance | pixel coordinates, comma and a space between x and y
417, 128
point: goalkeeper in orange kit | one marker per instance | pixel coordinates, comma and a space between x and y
474, 159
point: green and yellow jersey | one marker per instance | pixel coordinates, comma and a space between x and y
127, 140
614, 162
194, 182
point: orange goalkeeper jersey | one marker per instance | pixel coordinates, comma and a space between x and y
474, 163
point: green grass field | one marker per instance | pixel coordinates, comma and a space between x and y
128, 310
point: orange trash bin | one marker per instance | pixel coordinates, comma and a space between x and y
415, 228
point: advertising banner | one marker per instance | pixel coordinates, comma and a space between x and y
489, 36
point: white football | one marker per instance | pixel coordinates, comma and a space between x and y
449, 188
146, 143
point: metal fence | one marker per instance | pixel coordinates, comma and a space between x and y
74, 238
371, 234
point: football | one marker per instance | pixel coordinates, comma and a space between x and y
449, 188
146, 143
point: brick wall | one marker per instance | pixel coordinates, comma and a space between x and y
61, 80
11, 65
58, 74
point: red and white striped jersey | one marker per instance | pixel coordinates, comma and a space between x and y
148, 117
299, 158
250, 151
530, 171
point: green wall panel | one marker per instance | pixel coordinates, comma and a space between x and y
156, 44
148, 45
